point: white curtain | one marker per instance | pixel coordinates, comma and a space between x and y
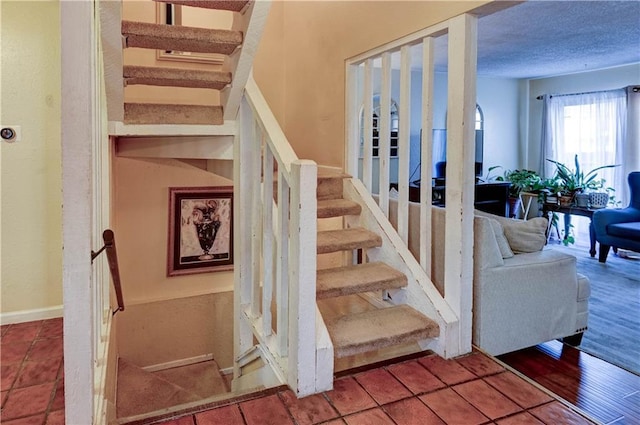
601, 128
593, 126
631, 147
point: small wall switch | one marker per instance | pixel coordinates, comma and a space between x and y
10, 133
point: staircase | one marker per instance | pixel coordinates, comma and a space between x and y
376, 328
290, 349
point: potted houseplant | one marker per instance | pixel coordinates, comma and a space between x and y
574, 181
521, 181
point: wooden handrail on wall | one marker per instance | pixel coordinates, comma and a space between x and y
112, 259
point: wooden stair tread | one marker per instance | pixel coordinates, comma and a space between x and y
180, 38
347, 239
175, 77
230, 5
152, 113
376, 329
337, 208
367, 277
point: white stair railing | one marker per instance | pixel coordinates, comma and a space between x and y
373, 75
275, 236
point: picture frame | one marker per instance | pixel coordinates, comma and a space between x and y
200, 230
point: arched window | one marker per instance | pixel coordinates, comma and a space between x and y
376, 127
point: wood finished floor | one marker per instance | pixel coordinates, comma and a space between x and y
606, 392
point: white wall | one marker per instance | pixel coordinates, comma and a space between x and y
31, 220
606, 79
499, 100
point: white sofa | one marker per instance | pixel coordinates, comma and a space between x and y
519, 301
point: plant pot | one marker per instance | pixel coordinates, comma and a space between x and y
551, 200
582, 200
514, 204
529, 207
598, 199
565, 200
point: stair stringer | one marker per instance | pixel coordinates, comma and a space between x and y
251, 21
420, 293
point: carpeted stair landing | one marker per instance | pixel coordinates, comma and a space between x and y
381, 324
140, 392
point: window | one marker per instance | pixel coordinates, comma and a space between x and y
393, 152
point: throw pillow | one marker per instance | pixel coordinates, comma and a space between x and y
523, 236
526, 236
503, 244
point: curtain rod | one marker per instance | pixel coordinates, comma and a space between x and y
635, 89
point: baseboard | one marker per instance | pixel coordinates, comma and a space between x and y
31, 315
180, 362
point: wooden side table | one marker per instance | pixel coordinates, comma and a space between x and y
568, 212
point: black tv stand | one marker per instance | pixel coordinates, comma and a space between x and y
489, 197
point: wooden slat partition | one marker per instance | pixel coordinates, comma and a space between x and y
281, 247
458, 266
367, 132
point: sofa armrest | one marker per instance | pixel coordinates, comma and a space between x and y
531, 299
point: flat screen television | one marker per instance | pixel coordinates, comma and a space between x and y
440, 152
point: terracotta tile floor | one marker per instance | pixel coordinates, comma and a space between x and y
429, 390
32, 373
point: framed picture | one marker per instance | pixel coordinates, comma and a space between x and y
200, 230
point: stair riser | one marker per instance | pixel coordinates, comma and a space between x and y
174, 83
172, 114
348, 246
329, 189
339, 212
230, 5
352, 290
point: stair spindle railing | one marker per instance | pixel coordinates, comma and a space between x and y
276, 235
380, 154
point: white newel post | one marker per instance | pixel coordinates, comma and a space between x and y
302, 278
244, 176
80, 107
458, 277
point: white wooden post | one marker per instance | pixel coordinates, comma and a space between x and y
244, 176
352, 127
282, 270
302, 294
458, 276
78, 108
384, 133
426, 172
367, 127
404, 133
267, 240
256, 224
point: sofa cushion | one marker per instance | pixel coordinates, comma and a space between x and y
503, 244
523, 236
625, 230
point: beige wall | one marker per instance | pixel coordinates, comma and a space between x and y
31, 219
166, 318
182, 328
314, 40
140, 223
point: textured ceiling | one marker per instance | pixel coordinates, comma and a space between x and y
545, 38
